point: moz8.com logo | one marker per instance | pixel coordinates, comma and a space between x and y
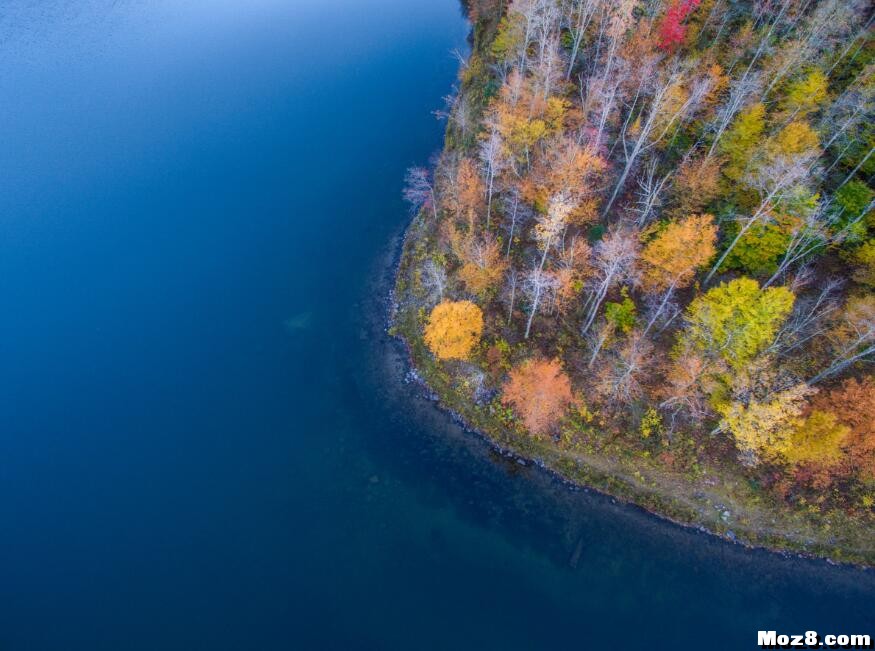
812, 640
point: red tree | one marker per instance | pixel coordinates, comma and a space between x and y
672, 31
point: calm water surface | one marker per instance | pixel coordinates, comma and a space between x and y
206, 442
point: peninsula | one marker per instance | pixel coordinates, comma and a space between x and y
645, 258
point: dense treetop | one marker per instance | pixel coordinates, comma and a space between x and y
661, 212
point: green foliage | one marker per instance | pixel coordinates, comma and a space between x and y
651, 423
740, 140
806, 94
864, 257
759, 251
622, 315
797, 202
737, 320
852, 199
858, 152
508, 38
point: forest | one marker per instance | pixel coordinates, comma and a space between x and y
646, 254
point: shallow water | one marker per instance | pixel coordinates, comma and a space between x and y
207, 442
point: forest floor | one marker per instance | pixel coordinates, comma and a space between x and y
709, 494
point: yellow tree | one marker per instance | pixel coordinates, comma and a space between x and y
818, 439
735, 321
672, 258
741, 139
805, 95
764, 428
453, 329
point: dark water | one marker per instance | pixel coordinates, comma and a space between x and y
205, 443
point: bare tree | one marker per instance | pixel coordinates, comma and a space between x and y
820, 228
493, 158
661, 116
579, 14
739, 91
649, 194
850, 109
434, 280
772, 180
614, 263
550, 226
809, 318
419, 190
538, 285
511, 287
852, 337
621, 377
517, 215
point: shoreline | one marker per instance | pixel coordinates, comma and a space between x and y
394, 311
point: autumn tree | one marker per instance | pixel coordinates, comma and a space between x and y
817, 439
695, 185
672, 31
682, 394
853, 403
469, 192
483, 265
453, 329
419, 190
540, 392
737, 320
673, 256
763, 428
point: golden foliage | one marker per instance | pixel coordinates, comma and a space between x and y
796, 138
678, 250
453, 329
696, 184
470, 191
763, 429
483, 264
817, 439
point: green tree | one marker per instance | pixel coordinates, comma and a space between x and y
806, 94
621, 315
759, 251
737, 320
854, 201
741, 139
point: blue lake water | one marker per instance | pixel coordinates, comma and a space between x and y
206, 441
